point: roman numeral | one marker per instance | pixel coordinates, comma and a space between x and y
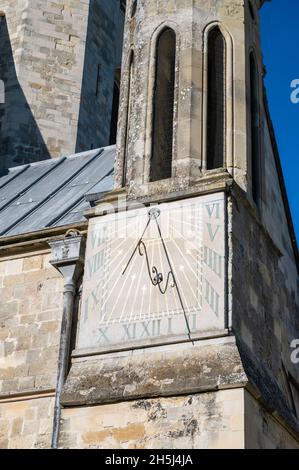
213, 260
145, 326
98, 237
129, 331
212, 297
94, 264
213, 210
213, 232
103, 335
169, 332
85, 310
151, 328
192, 320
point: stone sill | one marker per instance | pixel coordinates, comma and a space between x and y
150, 344
211, 182
202, 367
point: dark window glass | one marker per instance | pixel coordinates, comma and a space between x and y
134, 8
114, 112
128, 117
98, 79
216, 100
122, 4
251, 10
255, 131
163, 106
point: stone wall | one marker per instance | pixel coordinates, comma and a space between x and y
265, 304
200, 421
265, 313
26, 424
30, 317
30, 320
102, 58
262, 431
265, 288
44, 63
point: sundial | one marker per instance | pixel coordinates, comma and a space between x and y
157, 278
154, 274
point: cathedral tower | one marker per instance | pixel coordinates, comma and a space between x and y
180, 309
60, 66
183, 99
190, 292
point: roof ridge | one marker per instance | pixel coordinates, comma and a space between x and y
53, 160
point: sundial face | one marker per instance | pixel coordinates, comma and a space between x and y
153, 275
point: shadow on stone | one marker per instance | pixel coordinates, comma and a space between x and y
20, 139
97, 115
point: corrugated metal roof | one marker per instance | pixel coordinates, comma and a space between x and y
53, 193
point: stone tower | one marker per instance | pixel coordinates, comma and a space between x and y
190, 293
179, 311
59, 62
191, 23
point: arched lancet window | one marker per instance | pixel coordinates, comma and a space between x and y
163, 106
251, 10
255, 129
134, 8
128, 117
115, 108
216, 99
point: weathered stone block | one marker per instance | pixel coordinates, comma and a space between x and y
33, 263
103, 380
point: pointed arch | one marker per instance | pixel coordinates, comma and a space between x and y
216, 37
163, 106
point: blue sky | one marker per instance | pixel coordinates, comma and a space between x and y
280, 41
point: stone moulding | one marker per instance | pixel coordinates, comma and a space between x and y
203, 368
